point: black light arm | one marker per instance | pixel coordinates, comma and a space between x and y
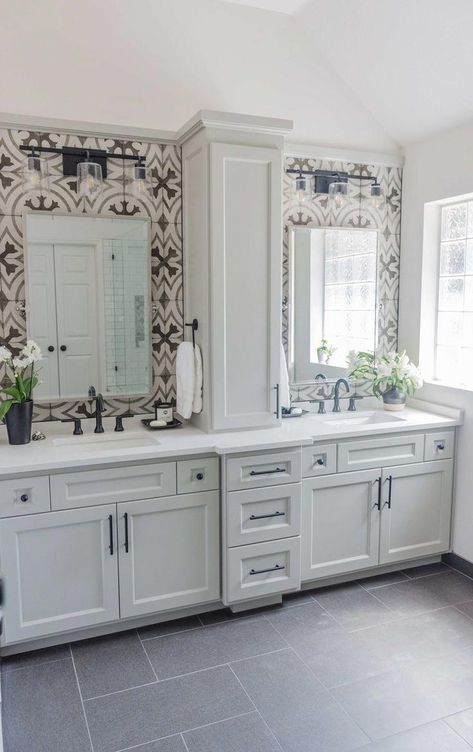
71, 156
323, 178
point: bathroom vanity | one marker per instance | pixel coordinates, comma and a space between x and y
106, 532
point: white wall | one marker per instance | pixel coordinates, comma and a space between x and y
154, 63
439, 168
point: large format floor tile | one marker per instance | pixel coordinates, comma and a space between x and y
352, 606
140, 715
426, 593
414, 695
170, 744
434, 737
202, 648
109, 664
462, 723
42, 710
248, 732
169, 627
36, 657
299, 711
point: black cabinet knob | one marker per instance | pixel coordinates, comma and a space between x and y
320, 461
24, 497
63, 348
200, 476
51, 348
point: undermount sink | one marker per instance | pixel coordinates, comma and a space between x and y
96, 442
360, 419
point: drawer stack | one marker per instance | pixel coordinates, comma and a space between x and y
262, 525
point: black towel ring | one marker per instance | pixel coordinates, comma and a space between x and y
195, 326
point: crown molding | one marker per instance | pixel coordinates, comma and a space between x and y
233, 121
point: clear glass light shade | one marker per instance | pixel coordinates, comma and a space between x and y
89, 179
302, 188
35, 173
376, 198
140, 181
338, 193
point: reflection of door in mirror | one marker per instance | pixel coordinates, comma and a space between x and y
332, 297
88, 304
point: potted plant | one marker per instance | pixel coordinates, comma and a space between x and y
17, 407
393, 375
325, 351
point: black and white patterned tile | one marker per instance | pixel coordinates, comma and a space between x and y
166, 262
12, 270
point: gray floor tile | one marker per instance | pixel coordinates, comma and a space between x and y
466, 608
299, 711
434, 737
371, 583
426, 593
42, 710
297, 599
140, 715
35, 657
462, 723
352, 606
171, 744
426, 569
423, 691
169, 627
202, 648
112, 663
241, 734
226, 615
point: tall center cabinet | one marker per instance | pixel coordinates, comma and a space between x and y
232, 194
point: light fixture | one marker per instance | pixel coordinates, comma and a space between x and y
302, 187
35, 173
376, 198
140, 179
89, 178
338, 192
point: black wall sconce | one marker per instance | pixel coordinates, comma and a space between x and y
335, 184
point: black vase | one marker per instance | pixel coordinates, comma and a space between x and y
19, 419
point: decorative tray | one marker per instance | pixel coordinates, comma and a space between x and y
174, 424
288, 415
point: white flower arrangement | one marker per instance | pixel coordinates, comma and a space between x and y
391, 370
21, 386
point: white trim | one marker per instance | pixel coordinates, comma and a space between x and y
233, 121
347, 155
455, 413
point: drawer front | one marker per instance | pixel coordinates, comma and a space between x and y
71, 490
255, 471
320, 459
263, 569
197, 475
263, 514
439, 445
364, 454
24, 496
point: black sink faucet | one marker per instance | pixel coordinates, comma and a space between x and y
99, 409
336, 397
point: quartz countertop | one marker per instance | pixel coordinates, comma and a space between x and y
61, 451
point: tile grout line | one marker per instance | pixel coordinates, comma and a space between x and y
147, 656
81, 699
184, 741
34, 665
444, 721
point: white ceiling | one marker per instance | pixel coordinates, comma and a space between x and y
280, 6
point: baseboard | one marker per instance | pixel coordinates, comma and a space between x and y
458, 562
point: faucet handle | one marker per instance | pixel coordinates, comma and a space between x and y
321, 410
92, 391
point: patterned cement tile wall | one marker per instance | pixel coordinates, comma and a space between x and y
359, 214
163, 207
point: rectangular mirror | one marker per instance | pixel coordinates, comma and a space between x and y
332, 299
88, 304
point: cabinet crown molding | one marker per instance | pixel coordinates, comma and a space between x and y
233, 121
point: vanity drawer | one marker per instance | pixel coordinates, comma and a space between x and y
24, 496
439, 445
263, 569
363, 454
263, 514
197, 475
256, 470
320, 459
71, 490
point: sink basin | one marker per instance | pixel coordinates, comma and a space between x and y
96, 442
361, 419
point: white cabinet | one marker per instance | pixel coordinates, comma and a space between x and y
60, 571
169, 552
340, 523
416, 511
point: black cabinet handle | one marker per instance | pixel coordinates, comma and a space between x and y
320, 461
63, 348
24, 497
390, 488
268, 472
440, 447
51, 348
278, 408
200, 476
378, 503
271, 569
110, 530
125, 518
266, 516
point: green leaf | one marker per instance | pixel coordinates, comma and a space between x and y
12, 391
5, 406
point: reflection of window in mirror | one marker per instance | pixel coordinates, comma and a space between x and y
88, 303
332, 297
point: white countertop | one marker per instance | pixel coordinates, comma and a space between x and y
63, 451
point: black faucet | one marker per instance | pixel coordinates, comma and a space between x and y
99, 409
336, 393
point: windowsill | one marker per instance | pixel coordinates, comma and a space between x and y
447, 385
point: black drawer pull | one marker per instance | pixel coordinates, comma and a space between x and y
440, 447
320, 461
127, 543
200, 476
24, 497
271, 569
110, 530
268, 472
378, 502
266, 516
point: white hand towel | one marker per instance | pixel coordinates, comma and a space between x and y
185, 379
284, 391
197, 399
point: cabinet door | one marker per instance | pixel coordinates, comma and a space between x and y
169, 552
340, 523
416, 512
246, 247
60, 571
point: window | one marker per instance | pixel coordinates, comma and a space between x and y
453, 362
